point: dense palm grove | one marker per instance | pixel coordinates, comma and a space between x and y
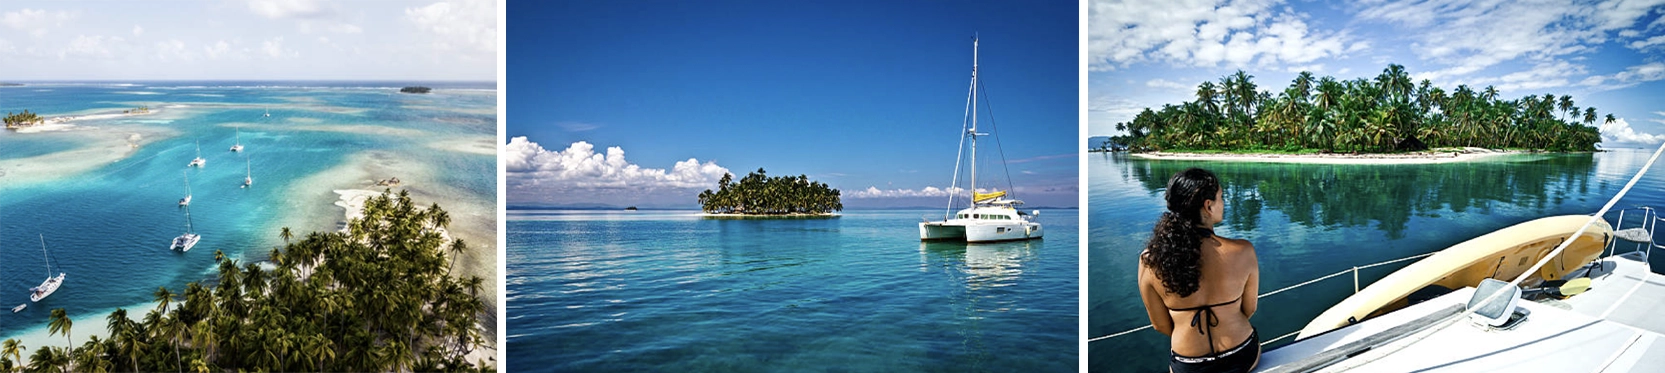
759, 194
1359, 115
377, 299
23, 119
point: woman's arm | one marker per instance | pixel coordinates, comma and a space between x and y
1158, 312
1251, 288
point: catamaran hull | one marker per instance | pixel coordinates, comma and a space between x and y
1504, 254
940, 231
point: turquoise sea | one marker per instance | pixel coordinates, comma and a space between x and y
104, 192
1307, 221
671, 291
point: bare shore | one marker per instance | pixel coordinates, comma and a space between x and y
1428, 157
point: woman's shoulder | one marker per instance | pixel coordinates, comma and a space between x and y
1236, 245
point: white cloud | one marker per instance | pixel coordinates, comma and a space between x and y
276, 9
459, 24
346, 28
929, 191
1164, 83
1619, 134
1640, 44
1631, 76
217, 50
579, 167
35, 21
173, 49
138, 30
96, 47
1551, 74
274, 48
1203, 33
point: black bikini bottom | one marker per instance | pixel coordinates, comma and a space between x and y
1237, 359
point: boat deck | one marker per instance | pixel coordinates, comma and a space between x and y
1613, 327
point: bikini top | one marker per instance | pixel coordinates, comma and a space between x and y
1205, 320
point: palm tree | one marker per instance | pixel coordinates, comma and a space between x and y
61, 323
457, 248
14, 349
285, 235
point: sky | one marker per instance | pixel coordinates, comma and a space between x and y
1606, 54
249, 40
646, 103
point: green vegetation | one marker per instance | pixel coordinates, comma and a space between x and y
417, 89
376, 299
759, 194
24, 119
1386, 114
142, 109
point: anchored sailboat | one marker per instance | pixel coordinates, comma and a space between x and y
50, 285
199, 162
239, 145
186, 241
187, 200
248, 176
992, 216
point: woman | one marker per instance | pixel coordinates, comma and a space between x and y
1209, 284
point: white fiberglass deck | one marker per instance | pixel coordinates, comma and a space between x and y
1616, 326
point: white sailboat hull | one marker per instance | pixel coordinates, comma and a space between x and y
46, 288
185, 242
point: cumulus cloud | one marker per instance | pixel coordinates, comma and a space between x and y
274, 48
137, 30
217, 50
929, 191
276, 9
1164, 83
1619, 134
581, 168
95, 47
459, 24
35, 21
1204, 33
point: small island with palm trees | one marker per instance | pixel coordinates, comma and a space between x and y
1387, 118
759, 195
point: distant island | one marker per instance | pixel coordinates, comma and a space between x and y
1387, 114
757, 194
415, 89
4, 84
22, 120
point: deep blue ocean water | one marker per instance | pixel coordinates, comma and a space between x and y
1307, 221
109, 227
670, 291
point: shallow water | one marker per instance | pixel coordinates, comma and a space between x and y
109, 227
653, 290
1307, 221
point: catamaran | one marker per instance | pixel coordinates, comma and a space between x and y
186, 241
199, 162
992, 216
51, 284
248, 176
187, 200
237, 147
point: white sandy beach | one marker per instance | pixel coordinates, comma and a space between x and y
100, 147
1467, 155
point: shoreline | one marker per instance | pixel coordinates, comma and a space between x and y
1428, 157
709, 215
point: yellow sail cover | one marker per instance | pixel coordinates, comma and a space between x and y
982, 197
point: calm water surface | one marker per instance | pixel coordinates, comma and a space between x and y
670, 291
1307, 221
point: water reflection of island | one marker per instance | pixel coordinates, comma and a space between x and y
1355, 195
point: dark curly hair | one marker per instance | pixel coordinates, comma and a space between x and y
1175, 247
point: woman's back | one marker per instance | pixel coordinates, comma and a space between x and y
1228, 266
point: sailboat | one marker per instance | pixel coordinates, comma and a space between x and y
268, 112
186, 241
992, 216
239, 145
248, 176
187, 200
198, 162
51, 284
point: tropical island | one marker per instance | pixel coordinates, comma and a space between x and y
379, 296
415, 89
1385, 117
757, 194
22, 120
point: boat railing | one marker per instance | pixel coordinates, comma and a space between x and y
1649, 222
1354, 270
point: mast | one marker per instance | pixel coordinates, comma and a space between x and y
187, 183
44, 256
187, 219
973, 121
